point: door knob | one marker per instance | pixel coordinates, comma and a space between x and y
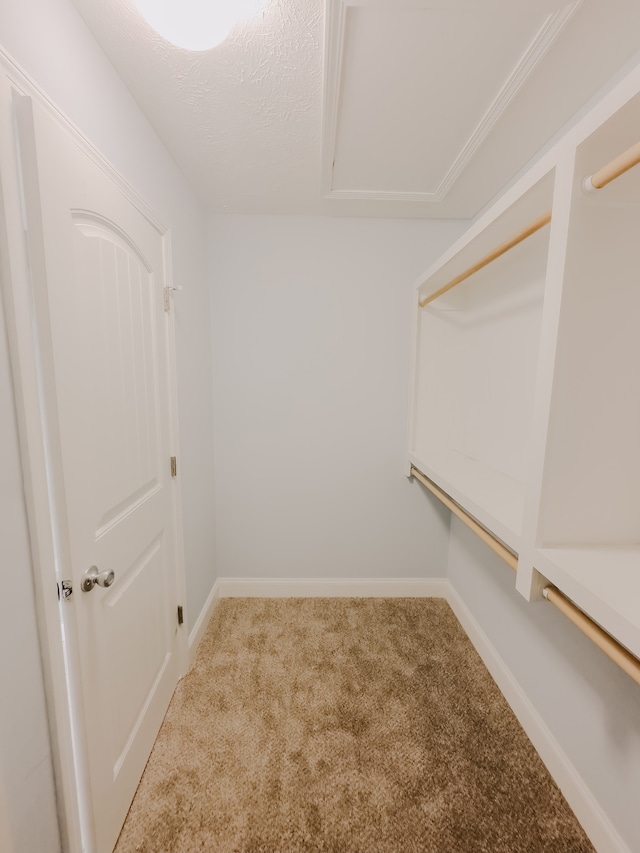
93, 576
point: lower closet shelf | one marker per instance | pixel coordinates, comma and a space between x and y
605, 612
493, 498
603, 582
498, 547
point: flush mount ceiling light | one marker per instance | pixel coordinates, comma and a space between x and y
197, 24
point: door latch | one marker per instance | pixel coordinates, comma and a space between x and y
65, 590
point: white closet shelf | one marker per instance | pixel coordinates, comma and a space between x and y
491, 497
520, 410
603, 582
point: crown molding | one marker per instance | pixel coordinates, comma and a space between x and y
335, 24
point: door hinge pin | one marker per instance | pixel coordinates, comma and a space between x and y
180, 615
174, 466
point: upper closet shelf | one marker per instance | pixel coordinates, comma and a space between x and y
538, 223
520, 212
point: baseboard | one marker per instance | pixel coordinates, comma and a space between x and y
333, 587
604, 836
197, 632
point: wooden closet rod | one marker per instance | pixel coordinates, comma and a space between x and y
534, 226
614, 650
496, 546
618, 166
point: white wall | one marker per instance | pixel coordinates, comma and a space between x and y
590, 706
6, 843
50, 42
26, 772
311, 339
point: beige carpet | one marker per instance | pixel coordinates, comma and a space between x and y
345, 726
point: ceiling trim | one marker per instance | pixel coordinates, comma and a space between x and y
334, 25
336, 12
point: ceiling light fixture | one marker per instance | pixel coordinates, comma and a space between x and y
197, 24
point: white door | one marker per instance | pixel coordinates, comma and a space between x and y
98, 277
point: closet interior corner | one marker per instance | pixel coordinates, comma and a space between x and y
530, 422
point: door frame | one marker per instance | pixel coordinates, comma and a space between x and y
43, 495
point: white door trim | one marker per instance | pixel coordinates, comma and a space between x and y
56, 626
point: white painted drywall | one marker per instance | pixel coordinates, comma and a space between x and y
311, 339
49, 40
6, 843
590, 706
25, 755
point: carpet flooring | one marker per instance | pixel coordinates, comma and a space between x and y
343, 726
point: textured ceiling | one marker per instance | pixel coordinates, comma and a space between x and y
244, 121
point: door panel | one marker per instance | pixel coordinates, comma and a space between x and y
98, 284
126, 302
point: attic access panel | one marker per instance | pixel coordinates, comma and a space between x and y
413, 89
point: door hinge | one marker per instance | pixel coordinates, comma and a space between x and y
167, 298
65, 590
174, 466
180, 615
